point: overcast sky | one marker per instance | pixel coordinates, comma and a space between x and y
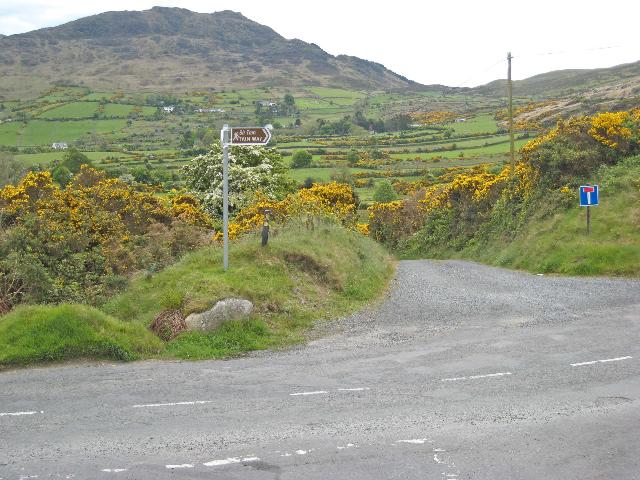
456, 43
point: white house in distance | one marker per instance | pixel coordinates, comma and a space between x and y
59, 146
168, 108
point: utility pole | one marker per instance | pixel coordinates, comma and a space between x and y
510, 89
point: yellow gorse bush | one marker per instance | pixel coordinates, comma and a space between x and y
474, 189
332, 200
93, 208
612, 129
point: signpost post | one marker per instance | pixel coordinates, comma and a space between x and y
589, 197
235, 136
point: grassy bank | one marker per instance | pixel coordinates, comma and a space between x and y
303, 276
554, 240
558, 243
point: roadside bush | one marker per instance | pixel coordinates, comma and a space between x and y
472, 207
71, 244
335, 201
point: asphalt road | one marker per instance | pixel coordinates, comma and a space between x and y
464, 372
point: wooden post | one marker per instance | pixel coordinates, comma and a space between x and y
265, 227
510, 89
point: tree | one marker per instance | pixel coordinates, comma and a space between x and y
142, 174
10, 170
187, 139
73, 159
252, 170
288, 105
398, 122
353, 157
301, 159
385, 192
61, 175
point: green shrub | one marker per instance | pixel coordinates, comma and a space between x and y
385, 192
31, 334
301, 159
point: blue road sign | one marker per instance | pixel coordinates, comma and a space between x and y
588, 195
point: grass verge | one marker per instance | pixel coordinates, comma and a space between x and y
42, 333
302, 276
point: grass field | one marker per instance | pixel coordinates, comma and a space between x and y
72, 110
131, 125
9, 133
41, 132
30, 159
479, 124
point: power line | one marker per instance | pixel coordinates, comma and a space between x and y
572, 52
479, 73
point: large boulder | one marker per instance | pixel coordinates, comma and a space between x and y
224, 310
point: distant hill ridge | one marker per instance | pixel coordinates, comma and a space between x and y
564, 82
167, 49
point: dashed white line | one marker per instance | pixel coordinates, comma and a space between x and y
416, 441
171, 404
228, 461
359, 389
317, 392
182, 465
348, 445
592, 362
114, 470
17, 414
474, 377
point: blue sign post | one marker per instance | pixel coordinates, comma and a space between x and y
589, 197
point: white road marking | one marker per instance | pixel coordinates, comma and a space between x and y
171, 404
473, 377
228, 461
416, 441
318, 392
617, 359
348, 445
182, 465
17, 414
360, 389
114, 470
436, 459
304, 452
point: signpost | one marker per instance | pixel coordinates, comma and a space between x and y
589, 197
235, 136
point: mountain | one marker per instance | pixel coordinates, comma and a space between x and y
563, 93
560, 83
173, 49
